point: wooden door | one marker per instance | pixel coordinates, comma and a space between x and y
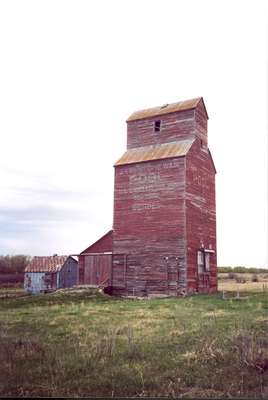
172, 277
104, 268
203, 267
91, 273
98, 269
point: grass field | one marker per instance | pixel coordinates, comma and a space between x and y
86, 344
233, 285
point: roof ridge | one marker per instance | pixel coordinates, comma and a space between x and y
166, 109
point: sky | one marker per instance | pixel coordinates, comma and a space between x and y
71, 72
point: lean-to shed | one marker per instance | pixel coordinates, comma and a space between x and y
49, 273
95, 262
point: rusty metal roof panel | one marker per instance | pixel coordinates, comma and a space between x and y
46, 264
165, 109
156, 152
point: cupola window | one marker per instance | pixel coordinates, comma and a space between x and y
157, 126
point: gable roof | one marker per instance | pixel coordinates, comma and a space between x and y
156, 152
46, 264
102, 238
167, 108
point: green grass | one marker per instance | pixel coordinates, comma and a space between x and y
84, 344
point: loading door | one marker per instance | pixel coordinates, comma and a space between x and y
203, 265
98, 269
172, 276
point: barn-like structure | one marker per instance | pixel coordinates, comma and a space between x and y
48, 273
164, 229
95, 262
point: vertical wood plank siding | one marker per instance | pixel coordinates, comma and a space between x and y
201, 123
101, 265
68, 275
200, 215
97, 269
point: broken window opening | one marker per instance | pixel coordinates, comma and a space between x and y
157, 126
203, 261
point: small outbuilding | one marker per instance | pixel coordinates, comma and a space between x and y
45, 274
95, 262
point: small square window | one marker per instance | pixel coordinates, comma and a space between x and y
157, 126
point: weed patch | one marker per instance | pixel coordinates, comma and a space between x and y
203, 346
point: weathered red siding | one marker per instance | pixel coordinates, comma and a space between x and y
97, 269
201, 122
148, 227
103, 245
200, 217
175, 126
164, 210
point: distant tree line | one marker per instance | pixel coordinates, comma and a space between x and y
17, 264
13, 264
242, 270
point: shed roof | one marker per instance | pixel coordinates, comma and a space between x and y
167, 108
156, 152
46, 264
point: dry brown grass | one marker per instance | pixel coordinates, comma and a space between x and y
237, 284
232, 286
247, 276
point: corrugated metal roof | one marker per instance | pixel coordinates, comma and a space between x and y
166, 109
156, 152
46, 264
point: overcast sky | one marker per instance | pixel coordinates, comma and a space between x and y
71, 72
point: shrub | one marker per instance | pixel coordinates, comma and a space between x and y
256, 270
240, 270
255, 278
224, 269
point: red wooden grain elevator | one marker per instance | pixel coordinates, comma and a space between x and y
164, 229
